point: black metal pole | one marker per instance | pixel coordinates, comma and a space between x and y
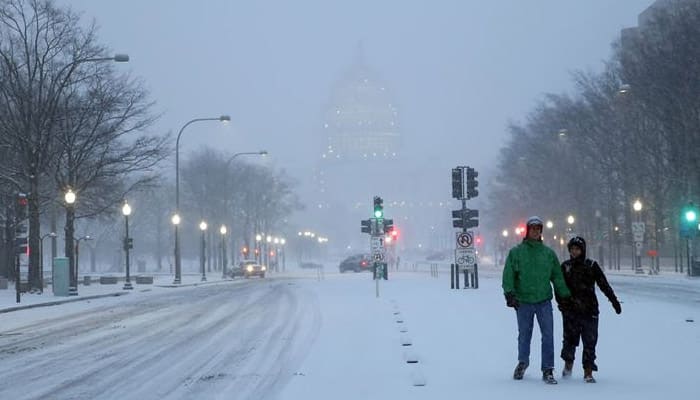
687, 254
17, 278
202, 256
456, 276
452, 276
127, 284
70, 251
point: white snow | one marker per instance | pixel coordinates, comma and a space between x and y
300, 337
466, 345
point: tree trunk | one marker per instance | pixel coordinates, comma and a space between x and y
34, 232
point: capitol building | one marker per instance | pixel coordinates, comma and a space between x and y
361, 156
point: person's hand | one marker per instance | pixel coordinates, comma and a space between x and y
512, 301
616, 305
565, 304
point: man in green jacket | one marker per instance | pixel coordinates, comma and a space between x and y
531, 269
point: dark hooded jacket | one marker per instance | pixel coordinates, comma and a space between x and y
581, 276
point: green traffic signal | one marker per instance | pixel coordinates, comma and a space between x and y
378, 207
689, 221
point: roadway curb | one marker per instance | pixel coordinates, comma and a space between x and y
174, 286
59, 302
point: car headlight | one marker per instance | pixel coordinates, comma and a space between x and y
263, 268
250, 268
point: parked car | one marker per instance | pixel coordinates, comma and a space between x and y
248, 268
357, 263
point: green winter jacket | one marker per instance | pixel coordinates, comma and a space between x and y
530, 267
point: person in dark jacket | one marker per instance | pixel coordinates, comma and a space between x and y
580, 316
530, 272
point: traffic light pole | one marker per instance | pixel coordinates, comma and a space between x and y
689, 252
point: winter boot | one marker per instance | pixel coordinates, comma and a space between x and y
568, 366
548, 377
519, 371
588, 375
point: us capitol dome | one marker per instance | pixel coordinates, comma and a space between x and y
360, 121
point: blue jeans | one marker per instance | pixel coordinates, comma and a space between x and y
543, 312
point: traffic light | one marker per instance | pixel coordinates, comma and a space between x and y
689, 221
465, 219
366, 226
378, 207
22, 205
394, 233
472, 183
22, 245
388, 225
457, 183
245, 251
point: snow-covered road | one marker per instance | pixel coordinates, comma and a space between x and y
226, 341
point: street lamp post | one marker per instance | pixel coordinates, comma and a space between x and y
41, 258
178, 272
178, 265
258, 256
126, 210
268, 240
638, 237
77, 256
223, 231
571, 220
203, 228
70, 198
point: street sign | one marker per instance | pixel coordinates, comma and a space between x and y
638, 245
465, 257
376, 243
638, 229
465, 239
378, 256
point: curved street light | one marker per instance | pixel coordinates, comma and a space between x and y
202, 249
126, 210
223, 232
178, 265
70, 198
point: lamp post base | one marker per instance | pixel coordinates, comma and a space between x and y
177, 281
204, 278
72, 291
128, 286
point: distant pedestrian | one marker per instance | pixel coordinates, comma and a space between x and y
580, 319
531, 269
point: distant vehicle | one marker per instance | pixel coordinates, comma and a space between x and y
248, 268
436, 257
310, 265
357, 263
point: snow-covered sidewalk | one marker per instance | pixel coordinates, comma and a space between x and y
8, 297
465, 343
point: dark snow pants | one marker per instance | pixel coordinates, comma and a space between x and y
584, 327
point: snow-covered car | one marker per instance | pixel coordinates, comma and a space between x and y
248, 268
357, 263
252, 268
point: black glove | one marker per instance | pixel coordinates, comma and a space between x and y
565, 304
616, 305
512, 301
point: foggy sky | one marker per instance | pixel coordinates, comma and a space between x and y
459, 70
